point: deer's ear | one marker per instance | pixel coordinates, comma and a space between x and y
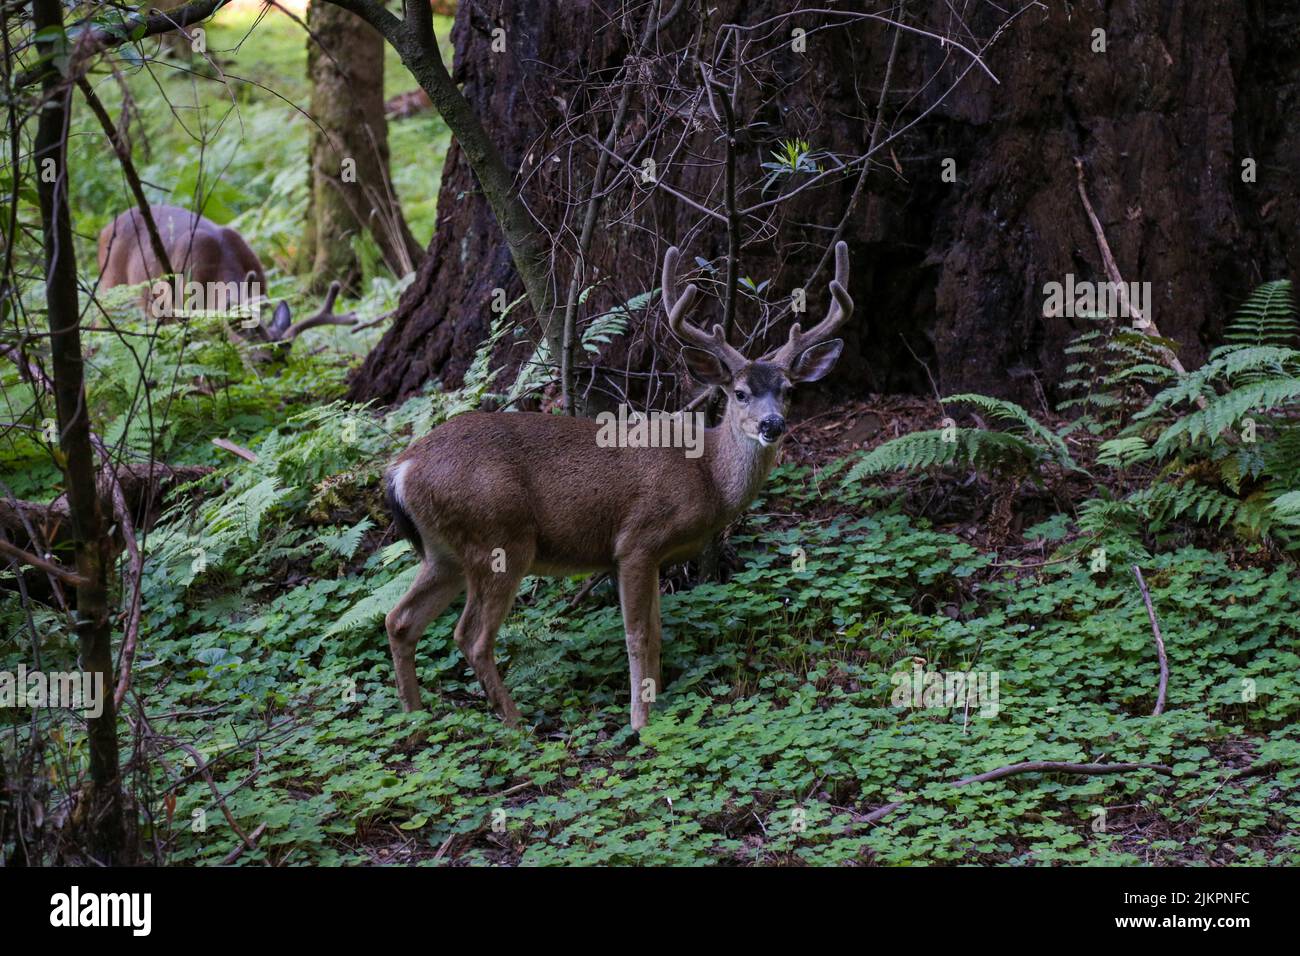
815, 362
281, 318
705, 366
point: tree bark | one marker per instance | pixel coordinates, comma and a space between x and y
351, 189
105, 824
947, 275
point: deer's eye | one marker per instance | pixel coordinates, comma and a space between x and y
742, 396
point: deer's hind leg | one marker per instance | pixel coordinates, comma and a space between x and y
491, 593
435, 587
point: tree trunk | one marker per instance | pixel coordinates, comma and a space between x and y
350, 186
948, 276
103, 813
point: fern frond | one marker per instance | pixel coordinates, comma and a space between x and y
345, 543
1123, 452
604, 328
1267, 317
1011, 412
1224, 411
375, 605
1286, 508
985, 450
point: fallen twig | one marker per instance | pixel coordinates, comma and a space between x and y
204, 770
123, 150
1143, 323
49, 567
1160, 643
587, 588
1031, 766
1256, 770
251, 842
227, 445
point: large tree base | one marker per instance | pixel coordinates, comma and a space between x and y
949, 270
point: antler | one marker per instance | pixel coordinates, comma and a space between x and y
281, 331
839, 312
677, 306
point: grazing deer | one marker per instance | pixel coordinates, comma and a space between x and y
487, 498
215, 257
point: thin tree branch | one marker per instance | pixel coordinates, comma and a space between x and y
104, 38
1160, 643
728, 119
1143, 323
123, 152
49, 567
1032, 766
594, 204
660, 184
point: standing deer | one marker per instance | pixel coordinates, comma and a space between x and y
487, 498
216, 257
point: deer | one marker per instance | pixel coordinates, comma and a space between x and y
487, 498
214, 256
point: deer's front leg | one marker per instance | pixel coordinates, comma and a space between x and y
638, 591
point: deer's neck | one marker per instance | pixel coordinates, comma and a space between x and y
738, 464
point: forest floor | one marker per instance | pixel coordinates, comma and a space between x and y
778, 732
781, 731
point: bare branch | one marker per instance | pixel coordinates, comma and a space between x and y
1160, 643
49, 567
1032, 766
123, 152
133, 28
594, 205
238, 450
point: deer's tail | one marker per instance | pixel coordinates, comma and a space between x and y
402, 519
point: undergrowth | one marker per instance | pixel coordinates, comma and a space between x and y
775, 734
265, 586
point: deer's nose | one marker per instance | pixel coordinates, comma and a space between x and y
772, 427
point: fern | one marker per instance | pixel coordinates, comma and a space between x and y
1116, 525
392, 552
1267, 317
1115, 371
1159, 506
480, 375
345, 543
603, 329
1286, 508
1040, 434
375, 605
239, 518
1223, 412
1242, 437
985, 450
1123, 452
533, 656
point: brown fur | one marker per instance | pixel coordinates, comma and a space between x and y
197, 247
495, 497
